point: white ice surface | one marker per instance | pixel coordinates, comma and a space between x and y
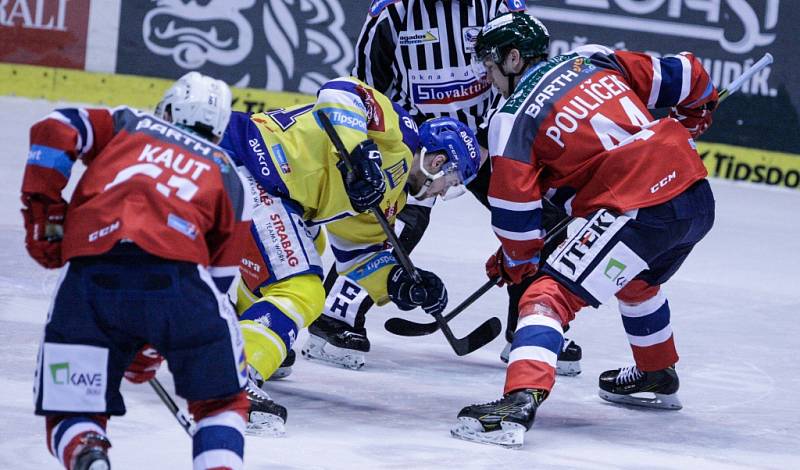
735, 306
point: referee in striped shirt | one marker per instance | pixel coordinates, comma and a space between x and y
418, 53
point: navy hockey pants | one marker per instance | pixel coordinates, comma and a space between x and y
107, 307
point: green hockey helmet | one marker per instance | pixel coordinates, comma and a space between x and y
515, 30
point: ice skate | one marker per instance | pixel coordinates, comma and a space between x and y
631, 386
502, 422
92, 453
337, 343
569, 359
266, 418
285, 370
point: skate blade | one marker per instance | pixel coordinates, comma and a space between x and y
281, 373
568, 368
265, 425
320, 350
657, 400
99, 465
510, 436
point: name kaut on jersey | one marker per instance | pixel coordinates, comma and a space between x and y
167, 156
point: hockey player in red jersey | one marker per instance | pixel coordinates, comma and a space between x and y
576, 129
147, 242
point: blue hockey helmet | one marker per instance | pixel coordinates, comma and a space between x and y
458, 143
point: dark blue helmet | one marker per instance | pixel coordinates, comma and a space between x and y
457, 141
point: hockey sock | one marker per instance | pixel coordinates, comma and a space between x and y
646, 318
218, 442
534, 351
64, 435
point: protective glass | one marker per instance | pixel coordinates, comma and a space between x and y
478, 62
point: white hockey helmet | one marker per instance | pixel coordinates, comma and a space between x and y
197, 101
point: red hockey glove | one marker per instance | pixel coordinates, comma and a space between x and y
144, 365
695, 120
498, 266
44, 228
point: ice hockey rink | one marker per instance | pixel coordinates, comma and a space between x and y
735, 306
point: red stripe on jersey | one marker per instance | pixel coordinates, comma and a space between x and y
102, 123
56, 134
514, 181
529, 374
521, 250
700, 82
656, 357
42, 180
639, 72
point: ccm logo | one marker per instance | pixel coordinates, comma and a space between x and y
94, 236
664, 181
251, 265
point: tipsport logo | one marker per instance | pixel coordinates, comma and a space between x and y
61, 375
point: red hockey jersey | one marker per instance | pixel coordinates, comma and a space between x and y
174, 194
577, 130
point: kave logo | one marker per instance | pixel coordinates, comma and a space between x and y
61, 376
614, 270
74, 377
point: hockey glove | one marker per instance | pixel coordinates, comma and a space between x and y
430, 293
498, 265
695, 120
144, 365
44, 228
364, 185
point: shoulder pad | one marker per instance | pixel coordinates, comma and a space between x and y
377, 6
515, 5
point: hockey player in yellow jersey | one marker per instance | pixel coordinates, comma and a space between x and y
295, 184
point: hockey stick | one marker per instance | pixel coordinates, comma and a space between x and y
403, 327
482, 335
734, 86
184, 419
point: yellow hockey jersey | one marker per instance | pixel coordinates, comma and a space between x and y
290, 156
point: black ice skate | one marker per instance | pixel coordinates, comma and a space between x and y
285, 370
502, 422
92, 453
266, 418
569, 359
631, 386
336, 342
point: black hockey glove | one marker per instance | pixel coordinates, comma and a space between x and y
430, 294
364, 185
